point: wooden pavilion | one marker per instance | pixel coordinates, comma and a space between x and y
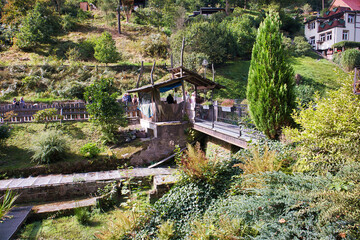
154, 110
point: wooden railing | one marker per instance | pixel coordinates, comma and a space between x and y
70, 111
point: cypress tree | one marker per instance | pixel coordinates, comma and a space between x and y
270, 89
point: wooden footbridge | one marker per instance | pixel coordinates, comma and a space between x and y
226, 123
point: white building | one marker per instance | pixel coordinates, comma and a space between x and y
340, 23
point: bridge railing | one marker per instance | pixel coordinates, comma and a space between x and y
75, 111
235, 119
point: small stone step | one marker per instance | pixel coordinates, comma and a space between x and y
63, 206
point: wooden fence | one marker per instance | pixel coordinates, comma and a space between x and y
70, 111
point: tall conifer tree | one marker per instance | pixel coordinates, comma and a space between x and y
270, 89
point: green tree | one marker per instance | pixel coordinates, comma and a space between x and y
39, 25
15, 10
270, 89
104, 110
105, 49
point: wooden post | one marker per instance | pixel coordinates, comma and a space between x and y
182, 56
184, 97
213, 72
153, 90
151, 75
172, 66
141, 73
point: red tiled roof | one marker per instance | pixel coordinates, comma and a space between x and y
334, 11
353, 4
331, 24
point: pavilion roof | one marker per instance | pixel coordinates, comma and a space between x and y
189, 76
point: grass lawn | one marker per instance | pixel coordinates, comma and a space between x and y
17, 154
106, 225
321, 74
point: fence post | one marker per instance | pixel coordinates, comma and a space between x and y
213, 115
240, 109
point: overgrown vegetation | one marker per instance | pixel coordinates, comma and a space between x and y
48, 146
103, 108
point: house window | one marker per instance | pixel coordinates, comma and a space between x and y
312, 41
345, 35
312, 25
351, 18
322, 38
328, 36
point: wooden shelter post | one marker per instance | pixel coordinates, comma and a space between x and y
140, 75
184, 97
182, 56
153, 101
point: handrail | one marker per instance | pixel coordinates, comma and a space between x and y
226, 118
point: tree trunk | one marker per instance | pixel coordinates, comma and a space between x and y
227, 7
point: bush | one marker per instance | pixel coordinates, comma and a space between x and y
46, 115
104, 110
155, 45
7, 202
4, 133
329, 136
285, 206
350, 58
82, 215
201, 37
48, 147
68, 23
90, 150
243, 29
305, 93
302, 47
39, 26
105, 50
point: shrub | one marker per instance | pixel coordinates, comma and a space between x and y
350, 58
7, 202
285, 206
155, 45
258, 162
302, 47
39, 26
90, 150
270, 89
46, 116
68, 23
196, 166
305, 93
4, 133
329, 136
48, 147
104, 110
82, 215
201, 37
105, 49
243, 29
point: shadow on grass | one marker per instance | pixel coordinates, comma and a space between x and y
13, 157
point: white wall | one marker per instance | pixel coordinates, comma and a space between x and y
354, 33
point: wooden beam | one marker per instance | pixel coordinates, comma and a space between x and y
151, 75
140, 75
213, 72
184, 97
182, 55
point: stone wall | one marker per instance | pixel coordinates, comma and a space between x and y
218, 149
168, 136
